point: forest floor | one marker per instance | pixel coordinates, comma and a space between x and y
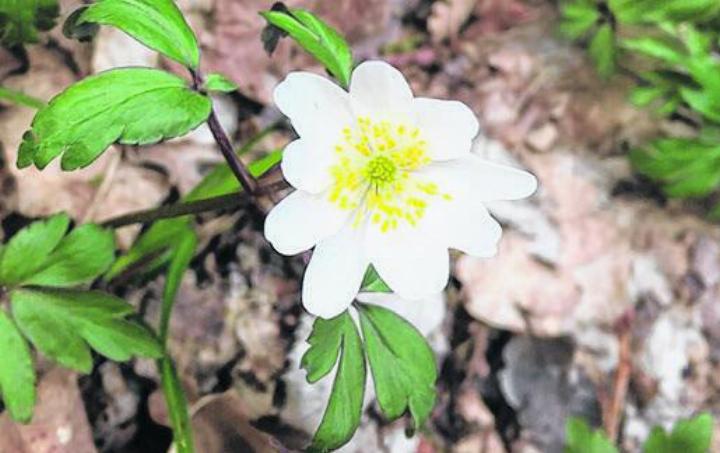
602, 302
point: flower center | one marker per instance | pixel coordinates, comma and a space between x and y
380, 170
375, 174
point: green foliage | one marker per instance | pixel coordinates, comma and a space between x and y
22, 20
401, 362
158, 24
317, 38
337, 341
675, 45
37, 267
219, 83
133, 106
17, 375
688, 436
177, 407
580, 438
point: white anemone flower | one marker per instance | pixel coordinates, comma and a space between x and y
382, 178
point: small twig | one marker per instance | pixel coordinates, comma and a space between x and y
229, 201
102, 192
612, 407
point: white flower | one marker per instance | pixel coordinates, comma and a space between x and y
386, 179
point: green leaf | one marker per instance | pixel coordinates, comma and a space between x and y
22, 20
83, 255
132, 106
578, 18
372, 283
330, 339
158, 24
17, 375
664, 50
602, 51
20, 98
688, 436
177, 407
61, 324
402, 364
580, 438
219, 83
26, 252
317, 38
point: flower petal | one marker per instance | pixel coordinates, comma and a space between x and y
472, 230
335, 273
306, 167
412, 262
300, 221
317, 108
379, 90
480, 180
448, 126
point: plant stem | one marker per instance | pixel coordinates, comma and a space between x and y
241, 172
228, 201
21, 98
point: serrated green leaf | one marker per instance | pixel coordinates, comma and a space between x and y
17, 375
705, 102
133, 106
21, 20
83, 255
602, 50
26, 252
688, 436
317, 38
332, 338
219, 83
61, 323
372, 283
580, 438
158, 24
402, 364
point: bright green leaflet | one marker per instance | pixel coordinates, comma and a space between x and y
82, 256
219, 83
158, 24
28, 249
132, 106
20, 98
330, 339
318, 39
61, 324
602, 50
580, 438
181, 256
17, 375
687, 436
21, 20
402, 364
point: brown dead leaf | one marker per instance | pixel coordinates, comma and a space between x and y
59, 425
447, 17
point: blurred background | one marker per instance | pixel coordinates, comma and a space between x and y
602, 303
